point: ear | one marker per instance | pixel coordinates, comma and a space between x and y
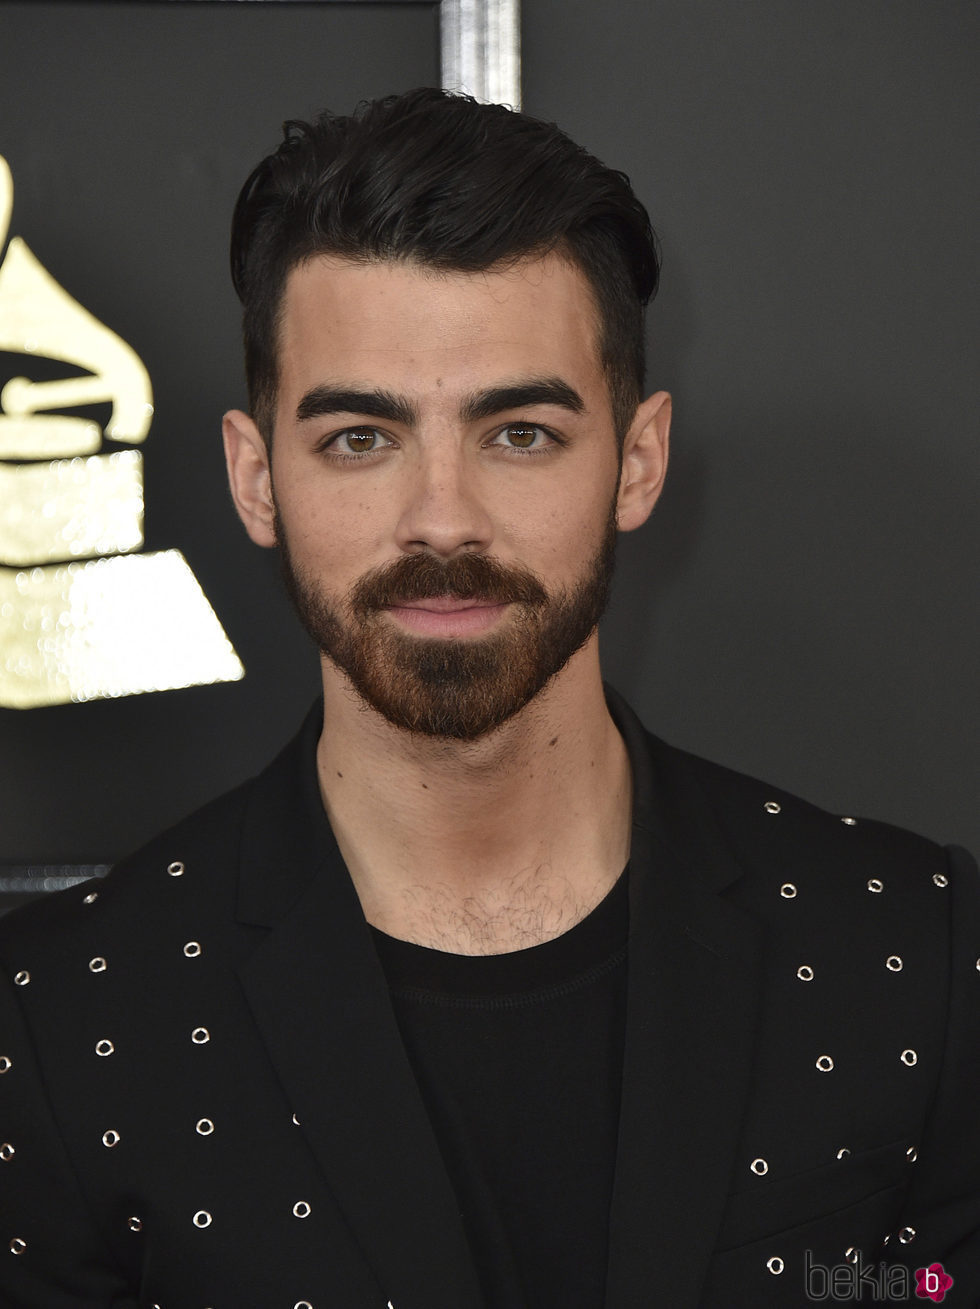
248, 476
645, 452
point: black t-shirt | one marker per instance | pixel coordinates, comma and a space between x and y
519, 1061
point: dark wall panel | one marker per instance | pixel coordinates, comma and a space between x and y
128, 129
804, 604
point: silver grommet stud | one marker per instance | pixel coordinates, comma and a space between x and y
110, 1138
851, 1255
5, 1064
894, 963
773, 807
200, 1036
787, 891
90, 898
22, 978
909, 1058
775, 1265
134, 1224
907, 1235
759, 1167
805, 973
302, 1304
97, 965
17, 1246
849, 822
825, 1063
911, 1154
176, 869
7, 1151
202, 1218
301, 1209
940, 879
843, 1152
295, 1120
104, 1047
876, 884
204, 1127
192, 949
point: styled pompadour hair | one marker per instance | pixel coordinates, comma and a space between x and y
440, 180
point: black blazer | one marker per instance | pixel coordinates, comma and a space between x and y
205, 1104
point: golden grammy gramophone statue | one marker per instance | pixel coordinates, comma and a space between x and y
82, 615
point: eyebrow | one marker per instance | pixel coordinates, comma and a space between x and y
392, 408
522, 395
320, 400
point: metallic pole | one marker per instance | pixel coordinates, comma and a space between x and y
481, 49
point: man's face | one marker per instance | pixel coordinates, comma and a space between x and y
444, 470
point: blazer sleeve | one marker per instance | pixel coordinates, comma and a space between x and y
51, 1254
942, 1211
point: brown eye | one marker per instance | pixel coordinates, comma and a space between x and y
523, 436
360, 442
357, 441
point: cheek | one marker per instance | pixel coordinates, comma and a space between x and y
338, 535
559, 540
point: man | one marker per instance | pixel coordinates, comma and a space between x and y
480, 995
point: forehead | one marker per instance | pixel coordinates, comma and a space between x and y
416, 326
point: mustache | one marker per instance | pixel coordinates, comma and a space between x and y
464, 577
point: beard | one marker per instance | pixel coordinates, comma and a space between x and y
455, 688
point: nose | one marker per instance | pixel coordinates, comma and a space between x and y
443, 512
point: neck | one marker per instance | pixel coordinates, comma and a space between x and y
487, 846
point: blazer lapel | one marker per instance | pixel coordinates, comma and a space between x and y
320, 1001
694, 984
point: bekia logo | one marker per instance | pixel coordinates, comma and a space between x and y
932, 1283
872, 1283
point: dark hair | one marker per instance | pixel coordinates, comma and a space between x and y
441, 180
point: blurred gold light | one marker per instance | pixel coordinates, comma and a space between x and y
106, 628
71, 508
114, 626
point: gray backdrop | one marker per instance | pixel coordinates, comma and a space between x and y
802, 607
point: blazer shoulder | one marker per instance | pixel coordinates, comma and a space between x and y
754, 811
847, 860
137, 890
706, 807
201, 853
